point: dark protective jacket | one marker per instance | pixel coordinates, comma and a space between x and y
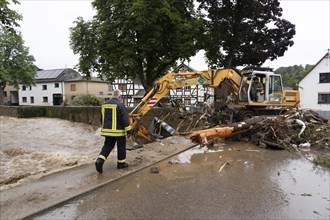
114, 120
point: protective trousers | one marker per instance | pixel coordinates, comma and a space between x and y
109, 144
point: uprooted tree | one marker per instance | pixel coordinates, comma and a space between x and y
289, 131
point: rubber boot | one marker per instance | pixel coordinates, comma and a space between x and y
99, 165
122, 165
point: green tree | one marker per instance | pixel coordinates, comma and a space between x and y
292, 74
8, 17
245, 32
136, 39
16, 65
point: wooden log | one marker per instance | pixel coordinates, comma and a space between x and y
273, 145
204, 136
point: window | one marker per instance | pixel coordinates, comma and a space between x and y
57, 85
45, 99
324, 98
324, 77
100, 93
23, 88
122, 87
5, 93
32, 99
44, 87
275, 84
73, 87
24, 99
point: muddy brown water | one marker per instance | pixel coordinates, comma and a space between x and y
231, 181
35, 147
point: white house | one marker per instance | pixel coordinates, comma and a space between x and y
133, 92
49, 88
314, 87
192, 95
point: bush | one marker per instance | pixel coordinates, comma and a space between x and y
86, 100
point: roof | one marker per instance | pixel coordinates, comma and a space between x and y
136, 81
258, 68
184, 67
56, 75
49, 74
140, 93
327, 55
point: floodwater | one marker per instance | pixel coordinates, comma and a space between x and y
31, 148
230, 181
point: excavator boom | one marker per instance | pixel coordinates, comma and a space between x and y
175, 80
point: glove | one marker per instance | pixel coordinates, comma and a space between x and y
128, 134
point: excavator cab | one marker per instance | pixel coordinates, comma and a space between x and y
260, 87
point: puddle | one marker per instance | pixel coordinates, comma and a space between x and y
185, 157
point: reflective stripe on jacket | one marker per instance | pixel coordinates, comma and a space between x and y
115, 120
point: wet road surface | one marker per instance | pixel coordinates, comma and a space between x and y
231, 181
37, 195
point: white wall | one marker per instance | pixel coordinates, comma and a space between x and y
310, 87
38, 93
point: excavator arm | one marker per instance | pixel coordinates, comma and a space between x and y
175, 80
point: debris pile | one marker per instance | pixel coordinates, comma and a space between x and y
185, 122
297, 128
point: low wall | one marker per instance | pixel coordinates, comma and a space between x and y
88, 115
8, 111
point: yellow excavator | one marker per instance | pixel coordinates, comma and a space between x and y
259, 91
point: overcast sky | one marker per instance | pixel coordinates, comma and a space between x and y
46, 23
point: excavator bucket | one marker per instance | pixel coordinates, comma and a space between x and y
160, 129
157, 129
141, 135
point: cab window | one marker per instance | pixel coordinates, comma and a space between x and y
275, 88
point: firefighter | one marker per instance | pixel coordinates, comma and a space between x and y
115, 127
